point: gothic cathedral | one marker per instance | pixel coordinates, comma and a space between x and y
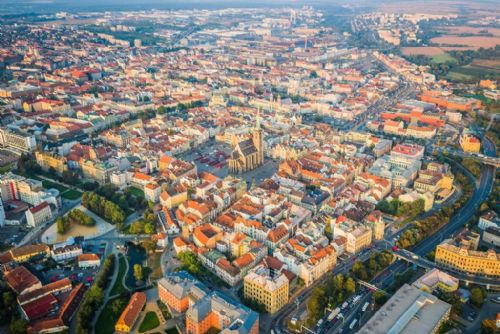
249, 153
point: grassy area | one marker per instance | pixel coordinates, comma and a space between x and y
71, 194
458, 76
136, 192
150, 322
6, 168
118, 287
443, 58
155, 266
172, 331
49, 184
107, 319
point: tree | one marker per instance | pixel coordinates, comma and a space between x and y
148, 245
118, 305
316, 304
95, 295
488, 326
477, 296
61, 225
149, 228
138, 272
350, 286
18, 326
379, 297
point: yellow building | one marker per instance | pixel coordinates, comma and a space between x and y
470, 143
468, 261
129, 316
358, 239
247, 154
266, 287
47, 160
24, 253
173, 197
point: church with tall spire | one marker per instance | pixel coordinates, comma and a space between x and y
247, 154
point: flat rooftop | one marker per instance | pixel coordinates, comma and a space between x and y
409, 311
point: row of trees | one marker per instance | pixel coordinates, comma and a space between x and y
94, 297
9, 314
398, 208
370, 268
103, 208
75, 216
426, 227
331, 294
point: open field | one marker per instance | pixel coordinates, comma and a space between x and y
443, 58
422, 50
472, 42
49, 184
71, 194
458, 30
458, 76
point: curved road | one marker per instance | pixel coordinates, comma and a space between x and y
480, 194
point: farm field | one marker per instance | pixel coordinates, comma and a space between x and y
443, 58
472, 42
457, 30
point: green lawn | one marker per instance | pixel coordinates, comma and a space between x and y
49, 184
443, 58
71, 194
136, 192
118, 287
150, 322
6, 168
172, 331
458, 76
107, 319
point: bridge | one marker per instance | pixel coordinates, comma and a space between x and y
484, 159
370, 286
486, 281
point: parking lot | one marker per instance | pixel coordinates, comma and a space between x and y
13, 234
69, 269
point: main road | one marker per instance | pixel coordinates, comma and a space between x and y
480, 194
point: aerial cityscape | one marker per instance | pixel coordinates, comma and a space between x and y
313, 167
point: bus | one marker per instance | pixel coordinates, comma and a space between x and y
365, 306
353, 323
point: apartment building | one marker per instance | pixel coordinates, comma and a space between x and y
468, 261
267, 287
17, 141
38, 214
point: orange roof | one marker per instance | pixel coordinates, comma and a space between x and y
88, 257
131, 312
142, 176
244, 260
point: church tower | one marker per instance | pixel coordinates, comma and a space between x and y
258, 140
